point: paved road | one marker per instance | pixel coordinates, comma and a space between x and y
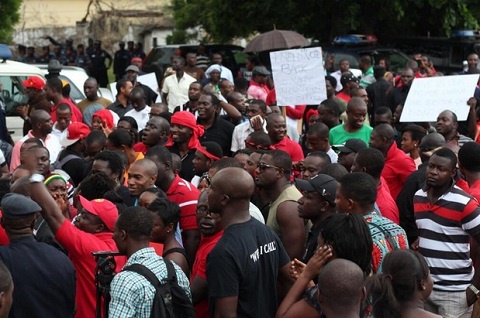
15, 123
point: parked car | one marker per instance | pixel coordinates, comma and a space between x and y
76, 77
446, 54
396, 58
159, 58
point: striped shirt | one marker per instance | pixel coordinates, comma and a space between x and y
444, 228
132, 294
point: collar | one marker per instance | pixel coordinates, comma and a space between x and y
210, 238
140, 255
391, 151
425, 188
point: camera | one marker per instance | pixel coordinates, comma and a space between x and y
104, 273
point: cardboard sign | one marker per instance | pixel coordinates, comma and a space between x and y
428, 97
149, 80
299, 76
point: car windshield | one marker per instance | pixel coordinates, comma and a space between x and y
12, 92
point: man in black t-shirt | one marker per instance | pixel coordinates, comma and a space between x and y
244, 266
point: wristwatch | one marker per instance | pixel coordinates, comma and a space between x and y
474, 290
36, 177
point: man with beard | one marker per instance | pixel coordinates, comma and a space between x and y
194, 92
355, 126
273, 176
216, 129
155, 133
41, 129
211, 229
90, 88
207, 153
121, 104
447, 126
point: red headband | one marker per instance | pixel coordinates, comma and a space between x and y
185, 118
209, 155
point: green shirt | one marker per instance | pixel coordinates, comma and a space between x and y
338, 134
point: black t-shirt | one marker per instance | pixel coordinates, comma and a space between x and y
186, 172
150, 95
311, 243
221, 132
245, 263
75, 167
125, 194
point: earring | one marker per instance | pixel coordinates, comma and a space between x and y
423, 287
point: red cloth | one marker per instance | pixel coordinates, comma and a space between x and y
386, 204
290, 147
343, 97
76, 113
80, 246
185, 195
398, 166
462, 184
200, 269
311, 113
158, 247
296, 112
140, 147
3, 235
106, 116
187, 119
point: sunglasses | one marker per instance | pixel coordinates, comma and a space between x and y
263, 166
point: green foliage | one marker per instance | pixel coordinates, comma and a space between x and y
9, 15
224, 20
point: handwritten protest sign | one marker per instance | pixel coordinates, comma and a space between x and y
428, 97
299, 76
149, 80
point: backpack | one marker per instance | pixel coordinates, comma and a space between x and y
60, 163
170, 300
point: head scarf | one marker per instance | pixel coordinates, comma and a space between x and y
213, 67
106, 116
187, 119
310, 113
54, 177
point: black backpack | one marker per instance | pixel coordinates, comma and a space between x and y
170, 300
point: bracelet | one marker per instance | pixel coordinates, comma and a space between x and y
474, 290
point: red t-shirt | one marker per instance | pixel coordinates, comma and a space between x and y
80, 246
140, 147
398, 166
290, 147
344, 97
386, 204
185, 195
76, 113
200, 269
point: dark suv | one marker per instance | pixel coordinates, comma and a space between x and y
396, 58
159, 58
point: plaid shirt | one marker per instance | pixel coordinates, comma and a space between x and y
132, 294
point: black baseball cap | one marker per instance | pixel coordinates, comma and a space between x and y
351, 145
323, 184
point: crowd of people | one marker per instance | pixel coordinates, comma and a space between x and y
329, 210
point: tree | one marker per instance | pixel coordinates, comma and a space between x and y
323, 19
9, 16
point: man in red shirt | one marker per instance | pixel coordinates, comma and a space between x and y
349, 82
398, 165
469, 163
371, 161
212, 231
53, 93
91, 232
181, 192
277, 129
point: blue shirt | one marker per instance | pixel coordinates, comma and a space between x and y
132, 294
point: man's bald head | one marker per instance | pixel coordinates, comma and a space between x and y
92, 81
340, 287
385, 130
234, 182
147, 165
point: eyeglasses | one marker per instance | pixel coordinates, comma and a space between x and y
203, 211
264, 166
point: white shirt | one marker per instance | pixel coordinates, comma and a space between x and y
337, 75
241, 132
141, 117
57, 133
177, 90
333, 155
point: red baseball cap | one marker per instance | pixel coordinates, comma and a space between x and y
75, 131
34, 82
104, 209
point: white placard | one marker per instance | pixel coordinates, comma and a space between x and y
428, 97
149, 80
299, 76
